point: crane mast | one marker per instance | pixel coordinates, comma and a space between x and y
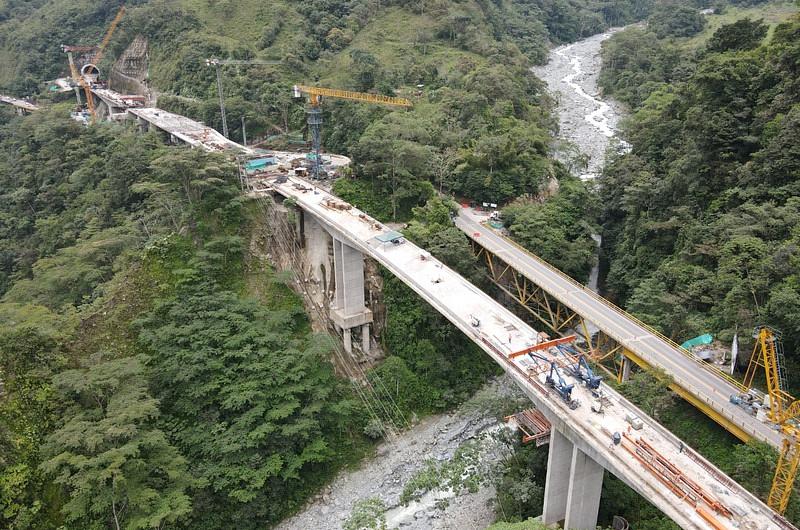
99, 51
314, 112
783, 410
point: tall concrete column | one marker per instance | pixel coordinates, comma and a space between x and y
347, 340
349, 310
573, 485
583, 497
626, 369
365, 338
349, 264
556, 484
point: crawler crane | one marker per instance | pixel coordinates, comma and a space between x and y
315, 95
783, 411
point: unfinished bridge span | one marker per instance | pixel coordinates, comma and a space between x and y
561, 303
583, 441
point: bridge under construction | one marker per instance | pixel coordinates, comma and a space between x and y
582, 440
560, 303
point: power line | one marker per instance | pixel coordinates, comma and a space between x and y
368, 394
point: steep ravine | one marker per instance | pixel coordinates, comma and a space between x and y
588, 122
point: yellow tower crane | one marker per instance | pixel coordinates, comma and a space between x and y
94, 59
315, 95
783, 411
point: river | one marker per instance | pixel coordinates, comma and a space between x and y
587, 122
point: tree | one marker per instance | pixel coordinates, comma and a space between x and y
254, 405
28, 412
744, 34
560, 230
669, 20
393, 152
193, 168
118, 468
651, 393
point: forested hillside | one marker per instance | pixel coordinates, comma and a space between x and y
701, 217
138, 316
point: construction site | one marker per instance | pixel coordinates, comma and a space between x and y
580, 342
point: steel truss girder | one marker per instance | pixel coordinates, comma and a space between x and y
556, 316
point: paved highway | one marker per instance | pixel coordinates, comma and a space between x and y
499, 333
691, 375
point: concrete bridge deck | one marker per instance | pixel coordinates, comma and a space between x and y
499, 333
187, 130
702, 385
19, 103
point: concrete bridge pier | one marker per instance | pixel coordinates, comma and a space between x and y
143, 124
349, 310
317, 244
625, 374
573, 485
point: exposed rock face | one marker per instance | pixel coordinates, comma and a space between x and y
129, 73
314, 278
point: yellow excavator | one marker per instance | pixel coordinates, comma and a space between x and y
315, 95
783, 410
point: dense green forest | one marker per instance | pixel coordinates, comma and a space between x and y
133, 349
137, 322
700, 218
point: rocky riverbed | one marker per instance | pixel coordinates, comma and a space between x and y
588, 122
433, 442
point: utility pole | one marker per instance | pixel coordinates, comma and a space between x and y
221, 96
216, 63
244, 133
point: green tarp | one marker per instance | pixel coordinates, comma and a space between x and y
698, 341
260, 163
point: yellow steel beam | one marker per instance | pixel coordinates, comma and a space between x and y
316, 92
785, 473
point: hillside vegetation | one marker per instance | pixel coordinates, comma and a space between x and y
701, 216
137, 322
